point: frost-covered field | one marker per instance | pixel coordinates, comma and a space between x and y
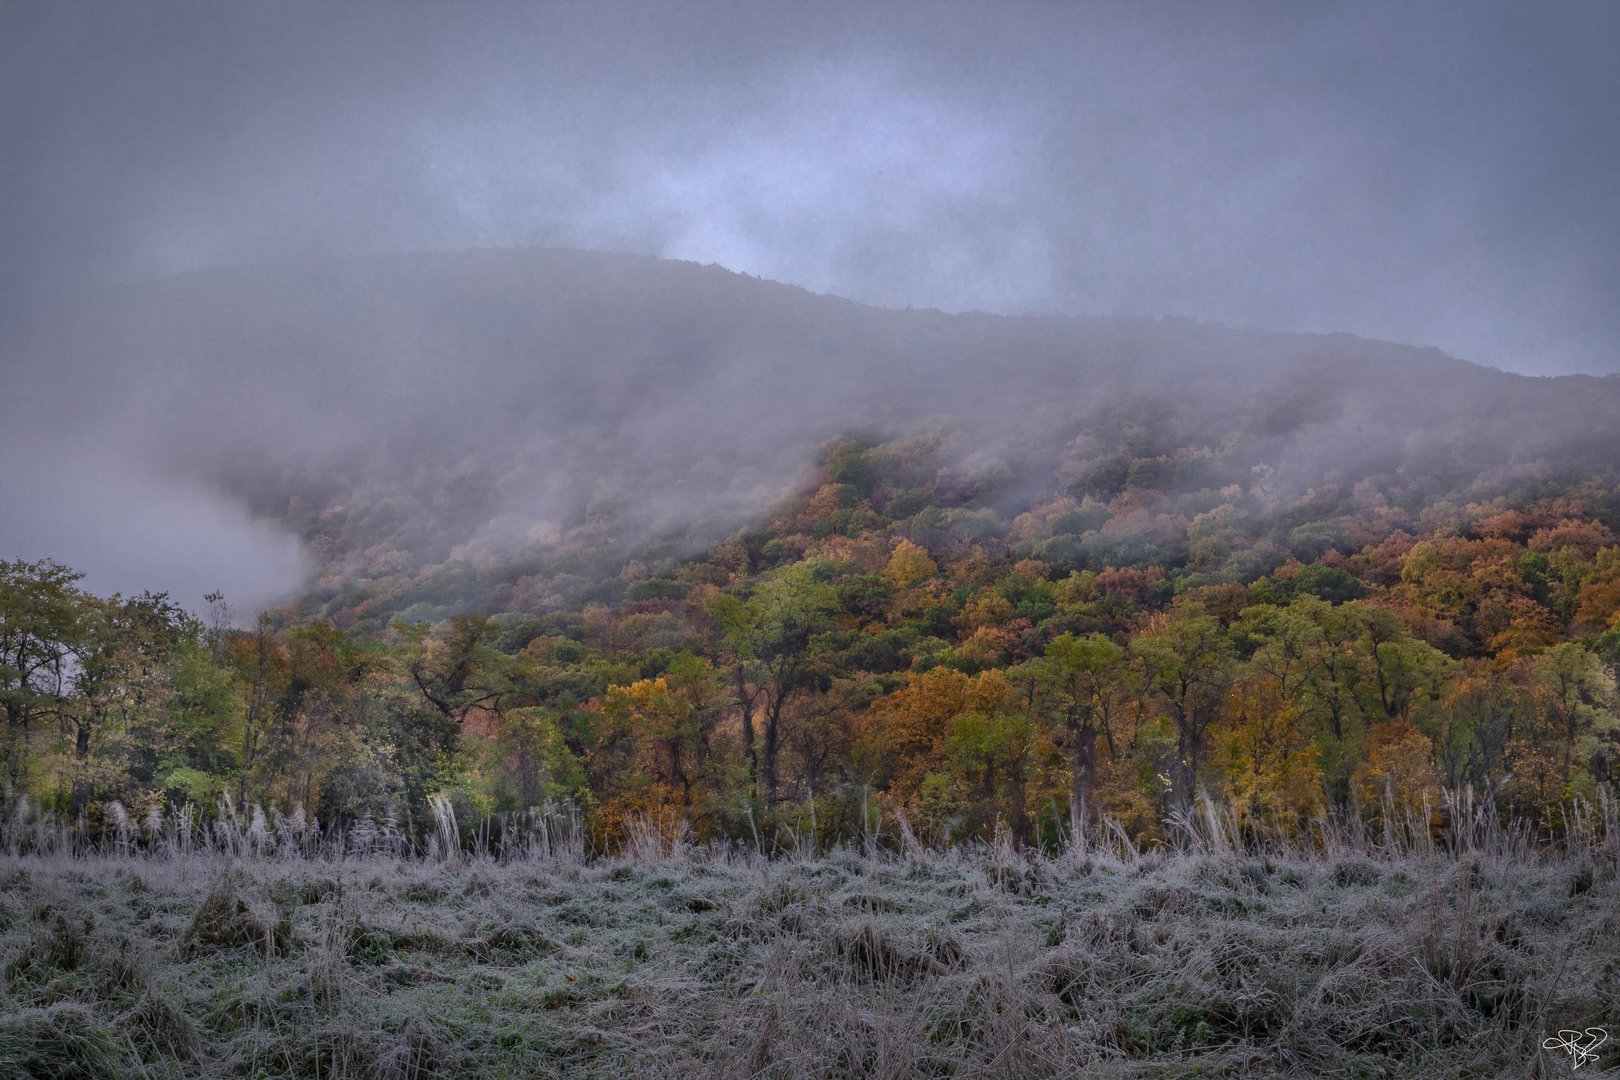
970, 964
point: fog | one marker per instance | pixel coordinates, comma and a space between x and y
1440, 175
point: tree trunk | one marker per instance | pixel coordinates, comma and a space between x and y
745, 703
81, 754
773, 731
1082, 779
16, 741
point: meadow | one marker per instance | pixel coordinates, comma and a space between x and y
1350, 956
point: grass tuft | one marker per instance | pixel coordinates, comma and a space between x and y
64, 1041
226, 920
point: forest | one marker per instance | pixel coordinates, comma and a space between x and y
900, 648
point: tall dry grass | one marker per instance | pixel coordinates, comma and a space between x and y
1459, 822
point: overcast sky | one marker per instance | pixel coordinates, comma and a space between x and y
1433, 173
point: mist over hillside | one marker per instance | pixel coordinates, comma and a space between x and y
398, 412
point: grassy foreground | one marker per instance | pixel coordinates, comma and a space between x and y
966, 964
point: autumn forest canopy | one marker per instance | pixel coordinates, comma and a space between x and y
656, 545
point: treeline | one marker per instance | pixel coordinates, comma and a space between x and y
138, 703
879, 650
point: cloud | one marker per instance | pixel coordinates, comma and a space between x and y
1438, 175
132, 529
825, 178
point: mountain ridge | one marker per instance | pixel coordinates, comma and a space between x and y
471, 402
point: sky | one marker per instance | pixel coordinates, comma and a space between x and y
1432, 173
1440, 174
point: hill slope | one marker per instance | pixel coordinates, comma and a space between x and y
675, 546
403, 412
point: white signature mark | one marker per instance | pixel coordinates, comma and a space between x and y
1582, 1045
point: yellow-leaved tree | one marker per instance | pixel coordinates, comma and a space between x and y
1269, 755
909, 565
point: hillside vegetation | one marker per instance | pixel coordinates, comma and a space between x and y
650, 542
